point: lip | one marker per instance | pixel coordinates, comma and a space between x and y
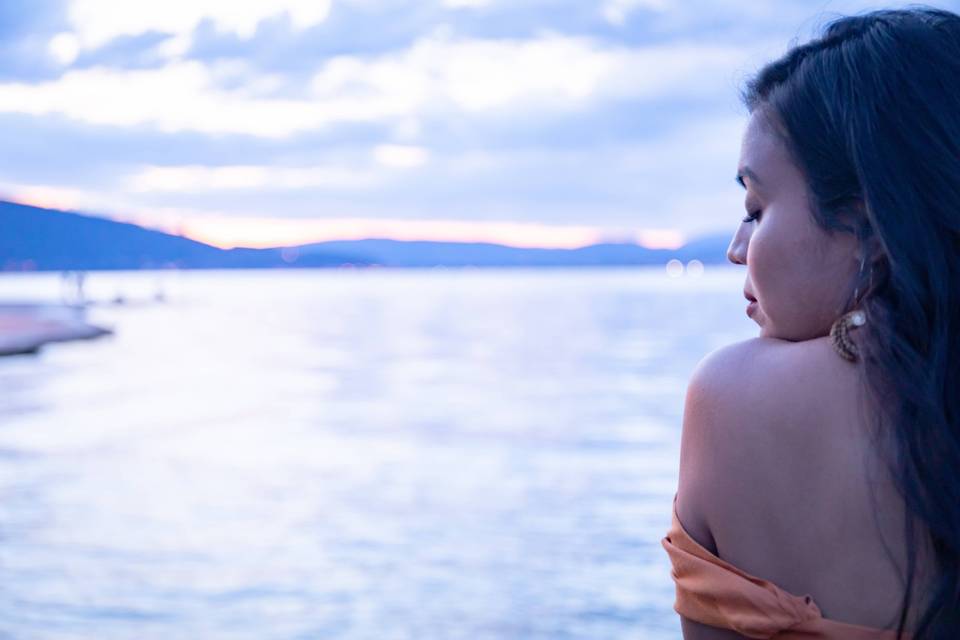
748, 296
751, 307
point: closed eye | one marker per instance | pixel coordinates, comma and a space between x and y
755, 215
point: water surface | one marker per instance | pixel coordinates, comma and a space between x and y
354, 454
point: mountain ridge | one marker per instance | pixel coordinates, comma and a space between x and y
34, 238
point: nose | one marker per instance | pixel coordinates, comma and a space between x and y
737, 251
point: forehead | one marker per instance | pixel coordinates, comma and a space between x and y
763, 151
759, 138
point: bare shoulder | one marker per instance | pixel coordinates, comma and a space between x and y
750, 423
769, 375
774, 460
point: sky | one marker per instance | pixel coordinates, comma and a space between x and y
554, 123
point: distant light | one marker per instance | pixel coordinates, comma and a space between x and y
64, 47
674, 268
694, 268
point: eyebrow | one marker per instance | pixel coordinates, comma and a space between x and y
746, 172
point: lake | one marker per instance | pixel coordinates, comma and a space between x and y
388, 454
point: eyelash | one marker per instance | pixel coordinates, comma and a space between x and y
752, 216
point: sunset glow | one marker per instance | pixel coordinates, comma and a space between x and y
227, 232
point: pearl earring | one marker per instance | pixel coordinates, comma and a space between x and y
840, 334
840, 331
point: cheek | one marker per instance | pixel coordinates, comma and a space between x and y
778, 261
768, 265
795, 278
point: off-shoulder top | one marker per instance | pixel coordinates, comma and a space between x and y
714, 592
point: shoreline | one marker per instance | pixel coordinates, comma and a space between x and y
26, 328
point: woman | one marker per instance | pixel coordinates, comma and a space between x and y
819, 491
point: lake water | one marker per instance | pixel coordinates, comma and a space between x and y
383, 454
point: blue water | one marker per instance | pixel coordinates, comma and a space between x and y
354, 454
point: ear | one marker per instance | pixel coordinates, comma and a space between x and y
872, 247
870, 243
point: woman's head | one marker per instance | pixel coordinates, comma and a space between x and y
856, 136
798, 272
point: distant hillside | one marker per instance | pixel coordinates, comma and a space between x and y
422, 253
44, 239
710, 249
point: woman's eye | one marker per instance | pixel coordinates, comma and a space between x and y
755, 215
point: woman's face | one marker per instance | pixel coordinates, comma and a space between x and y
799, 275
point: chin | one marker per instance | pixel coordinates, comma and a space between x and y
760, 322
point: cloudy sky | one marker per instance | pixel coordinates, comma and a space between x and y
260, 122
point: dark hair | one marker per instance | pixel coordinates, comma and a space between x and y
870, 112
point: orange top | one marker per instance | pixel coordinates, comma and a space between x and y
716, 593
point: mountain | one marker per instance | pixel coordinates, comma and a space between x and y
422, 253
49, 240
711, 249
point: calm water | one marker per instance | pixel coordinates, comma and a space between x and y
354, 454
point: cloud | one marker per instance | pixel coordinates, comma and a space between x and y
616, 11
147, 50
295, 35
353, 27
43, 195
657, 183
194, 178
178, 97
97, 22
677, 175
25, 34
614, 115
53, 149
64, 47
548, 74
468, 4
401, 156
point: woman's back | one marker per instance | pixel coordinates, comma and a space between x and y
850, 163
800, 497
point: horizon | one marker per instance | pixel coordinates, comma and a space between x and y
274, 233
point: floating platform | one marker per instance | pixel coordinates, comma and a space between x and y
26, 328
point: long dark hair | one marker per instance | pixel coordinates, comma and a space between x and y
870, 112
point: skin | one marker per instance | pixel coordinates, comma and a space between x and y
799, 274
778, 472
